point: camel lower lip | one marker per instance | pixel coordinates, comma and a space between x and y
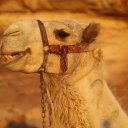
8, 58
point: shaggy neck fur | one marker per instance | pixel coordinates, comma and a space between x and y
70, 106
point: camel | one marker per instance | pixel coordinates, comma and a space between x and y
80, 95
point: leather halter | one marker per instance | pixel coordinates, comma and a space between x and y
60, 50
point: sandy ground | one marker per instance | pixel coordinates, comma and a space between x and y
21, 91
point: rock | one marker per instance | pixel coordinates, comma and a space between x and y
12, 5
2, 124
14, 115
14, 118
110, 7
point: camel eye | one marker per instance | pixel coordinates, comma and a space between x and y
61, 34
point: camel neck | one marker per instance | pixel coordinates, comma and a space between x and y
83, 74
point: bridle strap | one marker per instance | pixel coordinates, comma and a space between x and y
45, 43
64, 50
43, 33
44, 89
78, 48
60, 50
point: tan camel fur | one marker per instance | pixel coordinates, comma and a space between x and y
80, 96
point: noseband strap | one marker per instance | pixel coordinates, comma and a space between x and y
59, 50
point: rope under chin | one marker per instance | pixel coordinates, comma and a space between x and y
46, 103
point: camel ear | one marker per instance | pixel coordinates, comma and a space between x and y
90, 32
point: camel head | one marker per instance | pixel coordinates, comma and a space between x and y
21, 48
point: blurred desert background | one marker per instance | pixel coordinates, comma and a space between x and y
20, 93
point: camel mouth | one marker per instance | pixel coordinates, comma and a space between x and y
9, 58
